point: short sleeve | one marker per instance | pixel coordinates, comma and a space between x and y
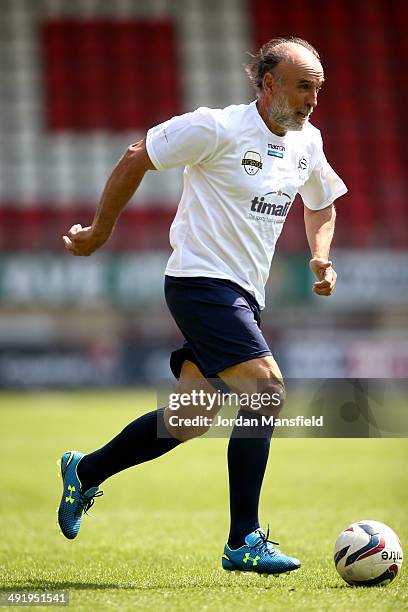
184, 140
323, 185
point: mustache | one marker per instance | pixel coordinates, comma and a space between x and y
305, 111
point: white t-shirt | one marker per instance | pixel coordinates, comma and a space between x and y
240, 180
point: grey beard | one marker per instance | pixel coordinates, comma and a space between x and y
280, 114
287, 122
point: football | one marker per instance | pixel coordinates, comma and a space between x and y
368, 553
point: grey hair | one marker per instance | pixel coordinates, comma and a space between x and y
269, 56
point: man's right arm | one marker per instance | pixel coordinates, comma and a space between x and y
120, 187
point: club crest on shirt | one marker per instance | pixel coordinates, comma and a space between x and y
251, 162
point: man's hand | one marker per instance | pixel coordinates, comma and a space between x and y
82, 241
325, 274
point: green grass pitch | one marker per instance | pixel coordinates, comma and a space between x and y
155, 539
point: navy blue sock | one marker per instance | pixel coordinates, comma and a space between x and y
248, 451
137, 443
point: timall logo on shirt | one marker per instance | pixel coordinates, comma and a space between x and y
273, 204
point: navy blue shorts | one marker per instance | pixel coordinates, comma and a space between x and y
220, 323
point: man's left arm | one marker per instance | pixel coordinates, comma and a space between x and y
319, 226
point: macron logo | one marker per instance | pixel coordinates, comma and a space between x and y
276, 150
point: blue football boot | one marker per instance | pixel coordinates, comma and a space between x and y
74, 501
258, 555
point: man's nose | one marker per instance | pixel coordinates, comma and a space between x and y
311, 100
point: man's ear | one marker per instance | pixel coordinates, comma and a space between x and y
270, 84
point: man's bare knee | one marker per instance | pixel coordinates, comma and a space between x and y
190, 419
272, 393
260, 382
